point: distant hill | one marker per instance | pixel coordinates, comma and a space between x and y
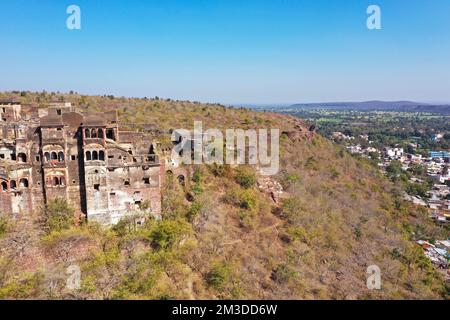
405, 106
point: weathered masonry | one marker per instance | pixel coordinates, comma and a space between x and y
103, 172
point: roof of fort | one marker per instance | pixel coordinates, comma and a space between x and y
52, 121
73, 119
10, 101
130, 136
94, 121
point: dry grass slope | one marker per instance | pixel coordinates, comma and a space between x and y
223, 238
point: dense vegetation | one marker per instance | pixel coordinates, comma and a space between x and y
221, 237
384, 128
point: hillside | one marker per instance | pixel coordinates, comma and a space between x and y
222, 237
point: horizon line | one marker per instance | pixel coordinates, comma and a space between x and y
239, 104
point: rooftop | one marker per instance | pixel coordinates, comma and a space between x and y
52, 121
94, 121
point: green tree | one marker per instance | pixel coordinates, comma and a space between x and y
218, 276
167, 233
58, 215
417, 169
394, 168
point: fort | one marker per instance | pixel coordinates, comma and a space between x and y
105, 173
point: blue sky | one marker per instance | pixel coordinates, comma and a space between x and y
229, 51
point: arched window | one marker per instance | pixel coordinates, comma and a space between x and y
13, 184
4, 186
94, 155
22, 157
87, 133
55, 181
101, 155
110, 134
54, 156
94, 133
100, 133
61, 156
62, 181
23, 183
88, 156
47, 156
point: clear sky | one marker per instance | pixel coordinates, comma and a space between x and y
229, 51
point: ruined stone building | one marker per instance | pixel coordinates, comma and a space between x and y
103, 172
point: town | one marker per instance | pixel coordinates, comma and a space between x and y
411, 148
428, 183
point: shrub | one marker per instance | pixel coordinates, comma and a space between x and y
394, 168
357, 232
167, 233
299, 233
311, 164
197, 189
247, 200
197, 176
244, 199
218, 276
145, 205
3, 226
246, 178
417, 189
334, 173
292, 177
173, 205
58, 215
417, 169
219, 170
292, 209
25, 288
193, 211
283, 274
125, 226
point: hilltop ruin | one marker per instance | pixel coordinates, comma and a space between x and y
105, 173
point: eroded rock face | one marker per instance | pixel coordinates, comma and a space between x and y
293, 135
271, 187
301, 131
